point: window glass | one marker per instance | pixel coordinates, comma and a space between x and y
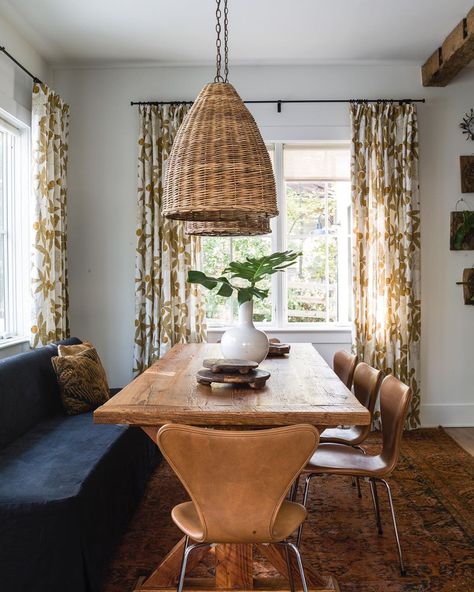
314, 203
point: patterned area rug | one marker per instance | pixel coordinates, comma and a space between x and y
433, 489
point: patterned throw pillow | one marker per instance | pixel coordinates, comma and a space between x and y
72, 350
82, 381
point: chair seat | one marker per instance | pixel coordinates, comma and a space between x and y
344, 460
351, 435
289, 517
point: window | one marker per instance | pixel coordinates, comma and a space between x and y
14, 263
313, 190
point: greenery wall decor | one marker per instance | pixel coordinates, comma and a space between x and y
462, 231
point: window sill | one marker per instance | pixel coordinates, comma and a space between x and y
324, 328
11, 341
340, 335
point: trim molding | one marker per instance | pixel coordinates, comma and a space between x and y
449, 415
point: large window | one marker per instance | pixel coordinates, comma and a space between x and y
313, 190
14, 226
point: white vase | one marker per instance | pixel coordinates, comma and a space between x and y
245, 342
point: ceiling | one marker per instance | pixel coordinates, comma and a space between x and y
261, 31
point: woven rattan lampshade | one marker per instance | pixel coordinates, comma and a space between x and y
219, 168
248, 226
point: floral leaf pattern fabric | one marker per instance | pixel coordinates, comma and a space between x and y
169, 310
386, 231
50, 130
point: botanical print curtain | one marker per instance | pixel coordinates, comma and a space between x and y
386, 256
49, 135
168, 309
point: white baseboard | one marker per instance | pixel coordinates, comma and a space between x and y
449, 415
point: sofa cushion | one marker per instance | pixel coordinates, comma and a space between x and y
67, 491
28, 391
53, 460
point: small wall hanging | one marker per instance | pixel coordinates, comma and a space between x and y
462, 229
467, 125
468, 285
467, 173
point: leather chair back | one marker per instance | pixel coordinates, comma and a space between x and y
237, 480
367, 381
344, 365
395, 397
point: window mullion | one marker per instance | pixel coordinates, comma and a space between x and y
279, 240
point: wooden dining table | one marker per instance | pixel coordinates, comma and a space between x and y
302, 388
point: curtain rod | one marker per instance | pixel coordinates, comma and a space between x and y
280, 102
21, 66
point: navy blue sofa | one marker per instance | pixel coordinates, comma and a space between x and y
68, 488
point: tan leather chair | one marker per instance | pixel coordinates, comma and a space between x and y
344, 365
367, 381
236, 494
334, 459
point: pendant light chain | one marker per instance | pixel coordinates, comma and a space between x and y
226, 42
218, 77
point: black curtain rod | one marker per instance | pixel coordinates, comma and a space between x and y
21, 66
280, 102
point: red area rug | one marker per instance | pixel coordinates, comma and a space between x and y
433, 489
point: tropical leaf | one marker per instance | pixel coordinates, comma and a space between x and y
252, 270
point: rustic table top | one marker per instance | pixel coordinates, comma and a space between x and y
302, 389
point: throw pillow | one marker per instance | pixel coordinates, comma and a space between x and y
72, 350
82, 381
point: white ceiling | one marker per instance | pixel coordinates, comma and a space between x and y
261, 31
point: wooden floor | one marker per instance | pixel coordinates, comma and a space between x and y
464, 437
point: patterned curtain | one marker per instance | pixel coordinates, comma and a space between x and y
168, 309
49, 130
386, 255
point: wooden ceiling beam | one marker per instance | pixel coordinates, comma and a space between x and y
455, 54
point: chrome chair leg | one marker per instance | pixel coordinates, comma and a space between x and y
375, 499
289, 569
395, 528
305, 501
294, 490
356, 479
359, 492
186, 551
184, 561
296, 551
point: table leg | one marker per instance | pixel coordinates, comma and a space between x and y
275, 554
166, 574
234, 567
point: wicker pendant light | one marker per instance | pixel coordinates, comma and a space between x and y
250, 226
219, 169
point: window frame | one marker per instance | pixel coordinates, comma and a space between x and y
16, 232
279, 238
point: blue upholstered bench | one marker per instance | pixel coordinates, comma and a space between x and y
67, 487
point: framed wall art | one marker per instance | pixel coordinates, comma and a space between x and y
462, 231
467, 173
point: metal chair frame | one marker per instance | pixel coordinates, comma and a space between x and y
373, 489
286, 544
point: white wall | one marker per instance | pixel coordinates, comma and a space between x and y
102, 198
15, 85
